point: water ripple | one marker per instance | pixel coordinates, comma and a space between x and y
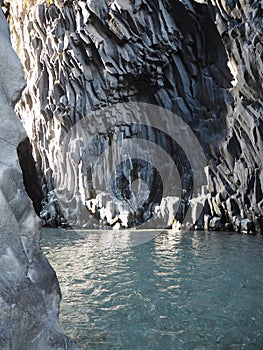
181, 291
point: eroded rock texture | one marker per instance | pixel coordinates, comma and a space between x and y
240, 169
29, 290
199, 60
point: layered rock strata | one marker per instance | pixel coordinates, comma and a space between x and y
29, 290
201, 60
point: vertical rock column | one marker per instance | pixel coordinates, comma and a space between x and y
81, 57
239, 176
29, 290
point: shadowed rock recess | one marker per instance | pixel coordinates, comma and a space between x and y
201, 60
29, 290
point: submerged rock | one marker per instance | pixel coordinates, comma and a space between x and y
29, 290
200, 60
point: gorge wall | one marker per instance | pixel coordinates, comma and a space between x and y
29, 290
95, 72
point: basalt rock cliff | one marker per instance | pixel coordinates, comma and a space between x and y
95, 71
29, 290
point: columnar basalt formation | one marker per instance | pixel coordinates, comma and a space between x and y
29, 290
240, 170
201, 60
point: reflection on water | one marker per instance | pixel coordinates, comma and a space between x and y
118, 239
179, 291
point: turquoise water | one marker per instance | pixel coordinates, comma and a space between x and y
195, 290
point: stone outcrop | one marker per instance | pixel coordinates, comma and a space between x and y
29, 290
201, 60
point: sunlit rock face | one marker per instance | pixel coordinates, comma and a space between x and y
239, 172
29, 290
199, 60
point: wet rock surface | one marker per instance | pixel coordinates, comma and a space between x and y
200, 60
29, 290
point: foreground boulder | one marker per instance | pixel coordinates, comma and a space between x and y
29, 290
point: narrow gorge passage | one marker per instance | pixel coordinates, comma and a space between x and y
140, 115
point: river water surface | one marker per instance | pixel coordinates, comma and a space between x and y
193, 290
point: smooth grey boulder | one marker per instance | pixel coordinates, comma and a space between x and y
29, 290
201, 60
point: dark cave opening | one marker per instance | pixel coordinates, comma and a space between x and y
31, 178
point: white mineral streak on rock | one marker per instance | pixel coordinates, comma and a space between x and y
82, 56
29, 290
